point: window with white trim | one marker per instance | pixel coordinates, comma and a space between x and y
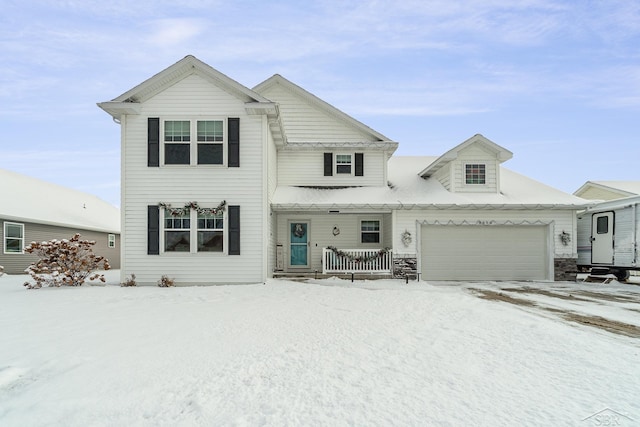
208, 148
177, 142
13, 238
370, 231
210, 142
210, 232
344, 164
192, 231
177, 231
111, 240
475, 174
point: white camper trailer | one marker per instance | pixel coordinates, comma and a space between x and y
608, 237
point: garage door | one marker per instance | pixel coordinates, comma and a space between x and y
484, 252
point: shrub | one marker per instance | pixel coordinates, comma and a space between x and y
1, 270
165, 281
64, 262
129, 281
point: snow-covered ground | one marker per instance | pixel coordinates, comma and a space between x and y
326, 352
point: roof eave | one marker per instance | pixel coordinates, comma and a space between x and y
117, 108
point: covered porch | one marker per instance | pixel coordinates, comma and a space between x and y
333, 243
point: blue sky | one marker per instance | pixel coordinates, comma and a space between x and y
555, 82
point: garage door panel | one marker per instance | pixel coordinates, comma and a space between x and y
484, 253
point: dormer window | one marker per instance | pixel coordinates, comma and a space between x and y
475, 174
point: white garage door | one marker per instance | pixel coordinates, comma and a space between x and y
484, 252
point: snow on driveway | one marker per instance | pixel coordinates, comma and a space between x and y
326, 352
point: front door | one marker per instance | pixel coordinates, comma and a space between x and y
299, 244
602, 238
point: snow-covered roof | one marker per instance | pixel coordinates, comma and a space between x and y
27, 199
626, 188
409, 190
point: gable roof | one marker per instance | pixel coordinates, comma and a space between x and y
129, 102
325, 107
502, 154
408, 190
624, 188
27, 199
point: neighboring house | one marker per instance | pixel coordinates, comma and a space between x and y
226, 184
34, 210
608, 190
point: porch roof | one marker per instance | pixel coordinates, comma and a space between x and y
407, 190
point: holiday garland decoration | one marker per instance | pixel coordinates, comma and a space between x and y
355, 258
192, 205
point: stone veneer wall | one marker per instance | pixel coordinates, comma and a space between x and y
565, 269
405, 267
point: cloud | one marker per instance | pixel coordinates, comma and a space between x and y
174, 32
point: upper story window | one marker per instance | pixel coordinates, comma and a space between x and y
111, 242
177, 142
343, 163
209, 146
210, 142
370, 231
13, 238
475, 174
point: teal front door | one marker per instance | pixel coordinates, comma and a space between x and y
299, 244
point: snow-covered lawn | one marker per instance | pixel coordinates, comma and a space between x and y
327, 352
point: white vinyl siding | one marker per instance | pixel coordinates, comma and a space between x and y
474, 155
305, 122
193, 98
306, 168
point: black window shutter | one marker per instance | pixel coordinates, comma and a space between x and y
234, 230
153, 230
233, 128
328, 164
359, 164
153, 142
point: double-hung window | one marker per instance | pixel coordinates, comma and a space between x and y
210, 232
13, 238
475, 174
111, 242
370, 231
177, 234
343, 164
210, 142
180, 149
177, 142
193, 231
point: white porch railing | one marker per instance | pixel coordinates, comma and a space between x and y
356, 261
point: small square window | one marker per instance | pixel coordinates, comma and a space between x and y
475, 174
343, 163
370, 231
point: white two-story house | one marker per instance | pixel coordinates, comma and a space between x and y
226, 184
